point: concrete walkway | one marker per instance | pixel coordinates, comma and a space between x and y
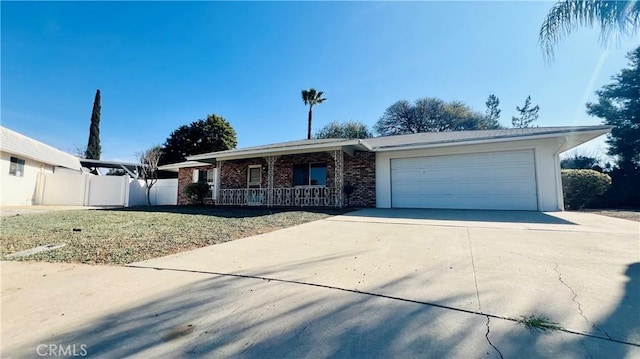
373, 283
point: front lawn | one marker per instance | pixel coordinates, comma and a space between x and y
123, 236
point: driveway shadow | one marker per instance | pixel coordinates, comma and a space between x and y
461, 215
230, 316
227, 315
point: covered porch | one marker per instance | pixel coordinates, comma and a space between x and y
308, 173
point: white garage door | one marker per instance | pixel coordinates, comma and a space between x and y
494, 180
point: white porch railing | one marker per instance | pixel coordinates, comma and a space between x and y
294, 197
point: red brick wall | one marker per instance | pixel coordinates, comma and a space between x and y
359, 171
234, 173
185, 176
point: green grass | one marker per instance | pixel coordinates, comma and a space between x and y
130, 235
537, 322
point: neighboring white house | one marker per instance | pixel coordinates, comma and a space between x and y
22, 161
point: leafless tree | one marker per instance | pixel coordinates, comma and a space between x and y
149, 169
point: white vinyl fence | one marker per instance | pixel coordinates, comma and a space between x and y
164, 192
107, 191
62, 189
81, 189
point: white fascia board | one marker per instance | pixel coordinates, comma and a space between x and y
235, 155
584, 136
174, 167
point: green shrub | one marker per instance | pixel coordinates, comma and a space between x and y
583, 187
197, 191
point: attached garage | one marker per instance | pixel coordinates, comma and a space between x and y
493, 180
507, 169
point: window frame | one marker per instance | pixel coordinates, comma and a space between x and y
210, 176
255, 184
308, 165
16, 166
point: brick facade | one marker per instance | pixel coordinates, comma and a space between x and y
358, 170
185, 176
235, 173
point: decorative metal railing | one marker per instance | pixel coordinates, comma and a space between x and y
293, 196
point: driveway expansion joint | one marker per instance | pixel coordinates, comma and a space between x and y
473, 266
386, 296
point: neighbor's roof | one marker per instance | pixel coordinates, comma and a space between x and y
573, 136
23, 146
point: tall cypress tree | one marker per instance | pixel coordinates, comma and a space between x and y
93, 146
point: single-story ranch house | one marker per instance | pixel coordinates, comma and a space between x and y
507, 169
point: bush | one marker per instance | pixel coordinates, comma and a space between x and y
623, 192
582, 187
197, 191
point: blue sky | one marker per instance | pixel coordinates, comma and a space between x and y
160, 65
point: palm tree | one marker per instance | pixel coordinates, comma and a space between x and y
615, 17
311, 97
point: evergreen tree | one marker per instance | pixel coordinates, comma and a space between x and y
527, 113
202, 136
493, 111
619, 105
94, 150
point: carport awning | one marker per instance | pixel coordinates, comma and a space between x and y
130, 168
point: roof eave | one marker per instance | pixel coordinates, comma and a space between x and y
240, 154
588, 135
75, 166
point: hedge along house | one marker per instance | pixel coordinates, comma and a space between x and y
508, 169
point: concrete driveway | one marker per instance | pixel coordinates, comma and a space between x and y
372, 283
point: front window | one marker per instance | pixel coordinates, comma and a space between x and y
310, 174
208, 177
16, 167
254, 176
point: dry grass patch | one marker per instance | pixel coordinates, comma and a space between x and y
628, 214
131, 235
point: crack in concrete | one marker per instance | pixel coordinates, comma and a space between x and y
489, 340
575, 295
379, 295
475, 279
